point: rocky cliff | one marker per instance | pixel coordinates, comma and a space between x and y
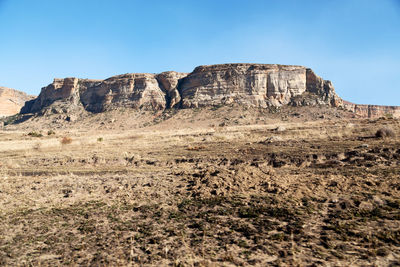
258, 85
11, 101
372, 111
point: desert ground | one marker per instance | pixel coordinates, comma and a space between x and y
222, 186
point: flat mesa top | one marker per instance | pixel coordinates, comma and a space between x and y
246, 66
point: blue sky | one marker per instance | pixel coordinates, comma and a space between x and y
353, 43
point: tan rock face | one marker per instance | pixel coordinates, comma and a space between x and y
372, 111
169, 82
11, 101
59, 89
135, 90
258, 85
128, 90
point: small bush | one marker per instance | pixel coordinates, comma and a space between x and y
100, 139
385, 132
51, 132
11, 119
66, 140
389, 116
35, 134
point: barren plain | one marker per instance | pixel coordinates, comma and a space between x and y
222, 186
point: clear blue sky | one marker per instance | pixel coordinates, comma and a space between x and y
354, 43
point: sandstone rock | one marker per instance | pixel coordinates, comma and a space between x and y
257, 85
11, 101
59, 89
127, 90
272, 139
322, 88
280, 129
169, 82
136, 90
372, 111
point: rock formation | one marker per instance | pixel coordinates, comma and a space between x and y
257, 85
372, 111
11, 101
135, 90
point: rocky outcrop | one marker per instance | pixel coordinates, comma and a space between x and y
135, 90
127, 90
11, 101
257, 85
372, 111
169, 82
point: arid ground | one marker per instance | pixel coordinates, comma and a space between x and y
222, 186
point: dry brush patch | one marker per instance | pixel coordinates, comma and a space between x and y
323, 193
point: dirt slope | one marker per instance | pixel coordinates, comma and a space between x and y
202, 187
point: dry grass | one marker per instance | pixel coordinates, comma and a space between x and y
195, 196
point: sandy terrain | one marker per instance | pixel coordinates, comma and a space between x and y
204, 187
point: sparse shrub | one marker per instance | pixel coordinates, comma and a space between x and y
389, 116
66, 140
35, 134
11, 119
51, 132
385, 132
100, 139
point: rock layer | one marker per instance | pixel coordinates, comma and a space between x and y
372, 111
257, 85
11, 101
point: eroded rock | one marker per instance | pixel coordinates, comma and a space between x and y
11, 101
256, 85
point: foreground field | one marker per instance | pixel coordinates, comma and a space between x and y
200, 188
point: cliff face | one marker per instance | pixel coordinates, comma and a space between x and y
135, 90
372, 111
258, 85
252, 85
11, 101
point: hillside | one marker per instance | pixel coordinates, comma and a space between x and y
11, 101
230, 165
226, 186
251, 85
